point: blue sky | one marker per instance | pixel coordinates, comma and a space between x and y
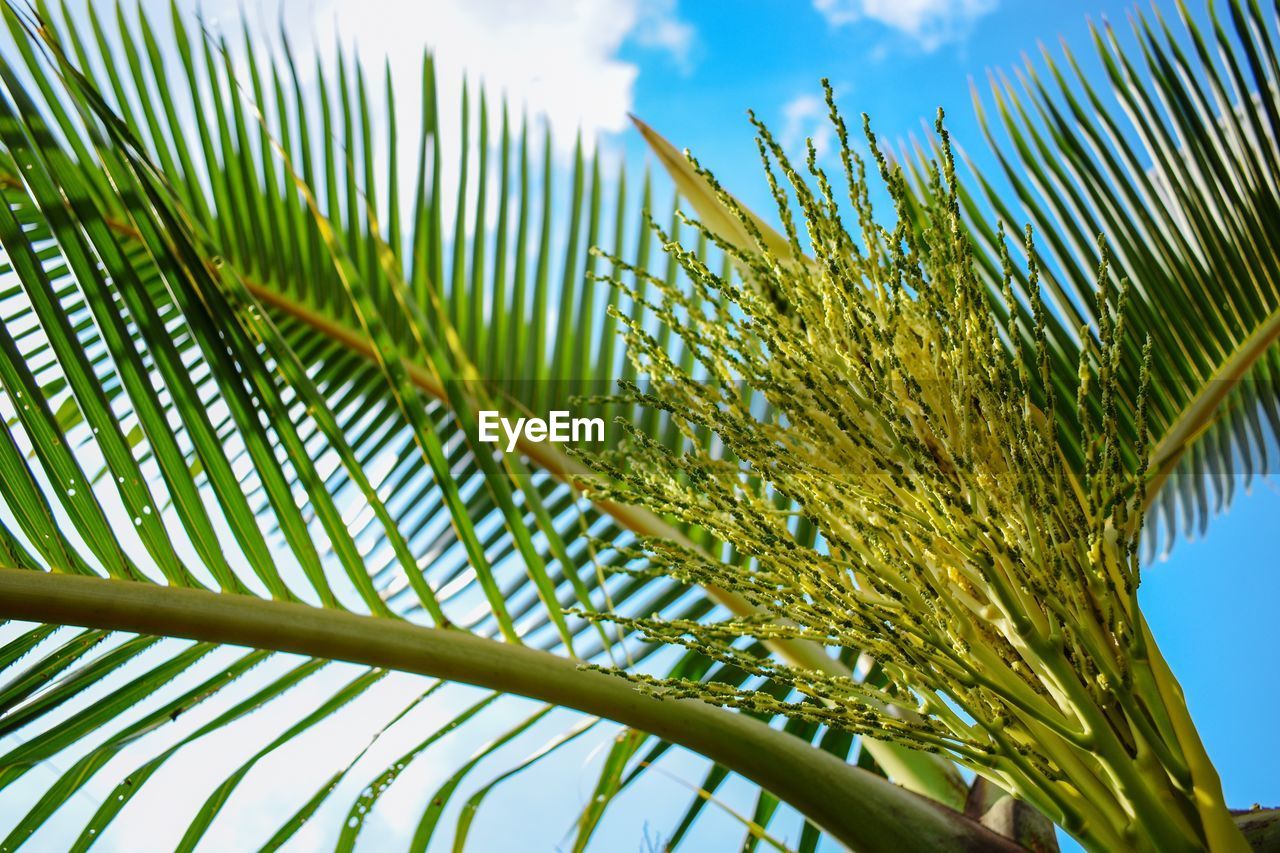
770, 56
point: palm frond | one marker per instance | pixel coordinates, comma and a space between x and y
1174, 185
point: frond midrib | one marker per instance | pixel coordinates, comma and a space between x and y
1200, 412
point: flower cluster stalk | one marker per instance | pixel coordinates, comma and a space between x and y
868, 383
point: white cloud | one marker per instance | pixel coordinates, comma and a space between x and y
659, 28
930, 23
558, 58
805, 116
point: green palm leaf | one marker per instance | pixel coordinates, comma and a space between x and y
1180, 173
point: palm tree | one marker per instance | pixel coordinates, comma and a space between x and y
236, 366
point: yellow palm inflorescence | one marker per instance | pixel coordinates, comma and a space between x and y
877, 395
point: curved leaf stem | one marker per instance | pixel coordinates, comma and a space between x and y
857, 807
